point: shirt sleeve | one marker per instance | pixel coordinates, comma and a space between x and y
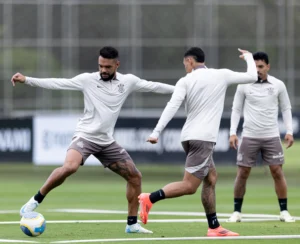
286, 109
171, 108
74, 83
250, 76
150, 86
237, 109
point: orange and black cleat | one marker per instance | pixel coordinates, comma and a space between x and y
220, 231
145, 206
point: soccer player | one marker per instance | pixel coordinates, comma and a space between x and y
260, 101
203, 90
104, 94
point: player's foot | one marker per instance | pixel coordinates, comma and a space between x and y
137, 228
29, 206
220, 231
145, 206
235, 217
286, 217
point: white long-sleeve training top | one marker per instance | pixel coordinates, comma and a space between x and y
102, 100
259, 102
204, 92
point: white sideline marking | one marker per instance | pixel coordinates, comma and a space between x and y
124, 221
172, 213
186, 238
8, 211
202, 214
16, 241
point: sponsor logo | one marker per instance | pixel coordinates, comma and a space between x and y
134, 140
279, 155
55, 139
15, 140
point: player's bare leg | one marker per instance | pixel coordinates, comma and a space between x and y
57, 177
241, 181
187, 186
239, 192
281, 191
279, 181
208, 197
208, 194
126, 169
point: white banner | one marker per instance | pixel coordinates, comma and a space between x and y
52, 137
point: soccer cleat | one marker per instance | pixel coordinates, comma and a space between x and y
137, 228
220, 231
31, 205
145, 206
235, 217
286, 217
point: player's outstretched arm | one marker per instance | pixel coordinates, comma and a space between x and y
74, 83
151, 86
249, 76
169, 111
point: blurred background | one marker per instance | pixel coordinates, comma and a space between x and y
52, 38
62, 38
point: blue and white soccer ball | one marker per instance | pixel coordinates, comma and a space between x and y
33, 224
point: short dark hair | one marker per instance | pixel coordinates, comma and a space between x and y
109, 52
261, 56
197, 53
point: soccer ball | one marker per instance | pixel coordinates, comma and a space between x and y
33, 224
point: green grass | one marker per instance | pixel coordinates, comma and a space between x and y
97, 188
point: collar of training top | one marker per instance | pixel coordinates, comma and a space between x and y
200, 67
263, 81
117, 77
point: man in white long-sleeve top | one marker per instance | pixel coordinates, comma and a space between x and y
104, 94
203, 90
259, 102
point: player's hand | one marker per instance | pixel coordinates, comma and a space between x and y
18, 77
243, 52
234, 141
152, 140
288, 140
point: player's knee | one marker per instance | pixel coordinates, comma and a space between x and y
244, 174
135, 179
277, 173
190, 189
70, 169
212, 178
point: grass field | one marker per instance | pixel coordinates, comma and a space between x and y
94, 188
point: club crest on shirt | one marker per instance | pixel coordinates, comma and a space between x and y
121, 88
270, 90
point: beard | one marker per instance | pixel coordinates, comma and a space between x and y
107, 76
259, 76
